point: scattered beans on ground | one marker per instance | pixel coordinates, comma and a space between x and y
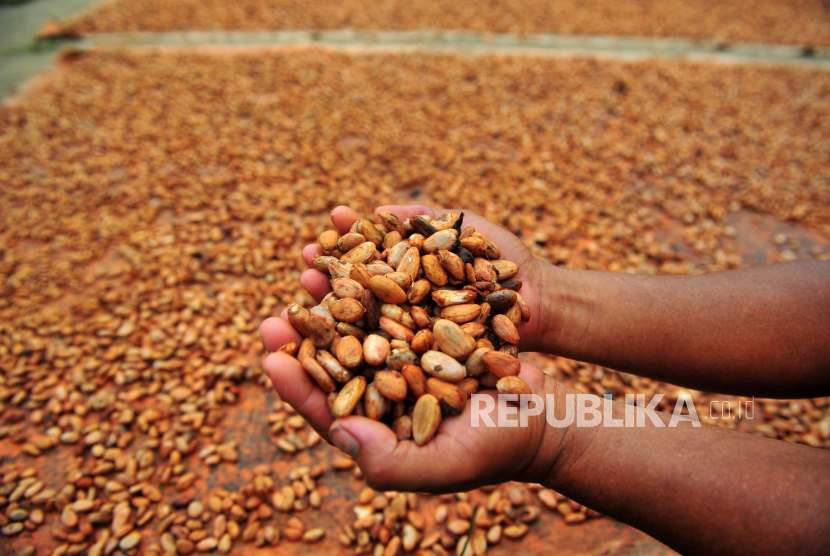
154, 206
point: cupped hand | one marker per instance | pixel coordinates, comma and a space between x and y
460, 456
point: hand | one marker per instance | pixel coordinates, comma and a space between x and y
459, 457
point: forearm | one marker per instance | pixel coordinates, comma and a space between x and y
700, 490
763, 331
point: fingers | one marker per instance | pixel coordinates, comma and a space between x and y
276, 332
309, 252
297, 389
343, 217
315, 283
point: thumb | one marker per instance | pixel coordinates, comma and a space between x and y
388, 464
459, 457
374, 446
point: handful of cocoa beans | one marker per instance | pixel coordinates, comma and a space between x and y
421, 314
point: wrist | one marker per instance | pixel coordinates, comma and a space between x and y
567, 307
569, 445
554, 445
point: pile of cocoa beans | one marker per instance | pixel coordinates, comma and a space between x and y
422, 313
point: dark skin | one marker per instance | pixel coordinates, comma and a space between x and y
700, 490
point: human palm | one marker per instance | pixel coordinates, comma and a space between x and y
459, 456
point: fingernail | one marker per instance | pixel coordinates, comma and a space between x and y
344, 441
